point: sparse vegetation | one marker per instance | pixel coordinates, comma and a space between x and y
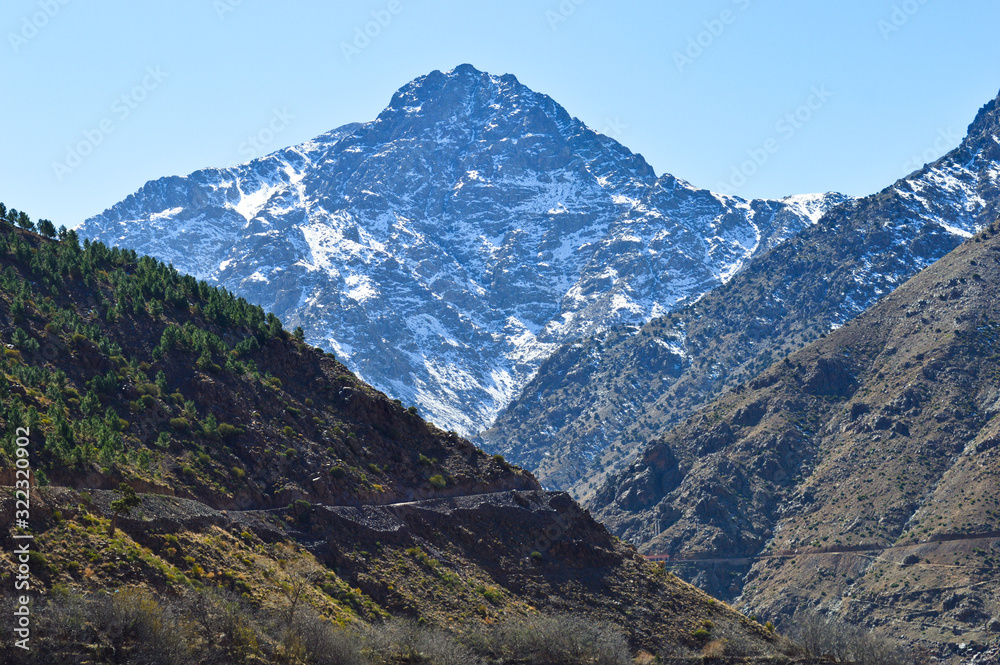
846, 643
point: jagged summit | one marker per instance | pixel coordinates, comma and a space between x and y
987, 122
446, 248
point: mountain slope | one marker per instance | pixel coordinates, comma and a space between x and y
597, 400
272, 486
446, 248
877, 442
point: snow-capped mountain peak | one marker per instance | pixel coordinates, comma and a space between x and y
446, 248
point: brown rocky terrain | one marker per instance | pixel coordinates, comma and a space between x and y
859, 476
264, 469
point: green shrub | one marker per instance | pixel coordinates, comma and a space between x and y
337, 472
438, 481
180, 424
225, 429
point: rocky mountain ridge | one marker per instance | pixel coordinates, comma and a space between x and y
856, 477
596, 402
446, 248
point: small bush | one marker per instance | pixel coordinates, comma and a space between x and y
337, 472
408, 642
438, 481
180, 424
561, 638
847, 643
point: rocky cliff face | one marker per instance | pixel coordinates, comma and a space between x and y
857, 476
446, 248
596, 401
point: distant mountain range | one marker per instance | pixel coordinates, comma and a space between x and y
445, 249
598, 400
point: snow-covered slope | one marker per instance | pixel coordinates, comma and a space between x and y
446, 248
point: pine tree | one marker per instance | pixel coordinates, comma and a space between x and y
124, 505
47, 228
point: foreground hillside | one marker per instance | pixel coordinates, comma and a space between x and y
595, 402
274, 488
858, 476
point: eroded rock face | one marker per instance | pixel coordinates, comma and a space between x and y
870, 475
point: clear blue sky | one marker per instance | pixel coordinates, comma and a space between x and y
221, 69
